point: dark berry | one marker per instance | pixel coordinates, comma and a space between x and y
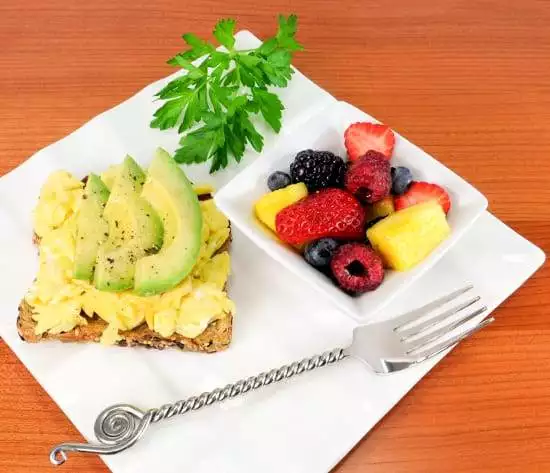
278, 180
319, 253
357, 268
401, 179
318, 169
369, 177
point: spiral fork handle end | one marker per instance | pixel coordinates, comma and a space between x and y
116, 428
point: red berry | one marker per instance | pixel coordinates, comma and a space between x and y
357, 268
328, 213
362, 137
419, 192
369, 178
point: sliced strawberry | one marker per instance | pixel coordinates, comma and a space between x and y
328, 213
363, 136
419, 192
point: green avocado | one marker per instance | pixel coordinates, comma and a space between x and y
172, 196
135, 229
91, 228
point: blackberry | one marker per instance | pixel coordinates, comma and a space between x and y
318, 169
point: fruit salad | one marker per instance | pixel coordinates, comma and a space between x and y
354, 219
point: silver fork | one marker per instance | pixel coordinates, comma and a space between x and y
386, 347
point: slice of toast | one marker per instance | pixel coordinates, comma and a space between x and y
216, 337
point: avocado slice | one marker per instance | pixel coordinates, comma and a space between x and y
91, 228
135, 229
172, 196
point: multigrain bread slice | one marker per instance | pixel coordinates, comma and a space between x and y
216, 337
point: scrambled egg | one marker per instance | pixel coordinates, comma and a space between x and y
60, 303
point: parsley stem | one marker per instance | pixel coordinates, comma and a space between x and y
238, 73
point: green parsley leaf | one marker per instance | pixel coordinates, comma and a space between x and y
236, 141
224, 31
287, 31
168, 115
174, 88
212, 103
267, 47
194, 41
250, 132
271, 108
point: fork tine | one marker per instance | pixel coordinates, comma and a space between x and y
441, 347
422, 342
435, 320
408, 317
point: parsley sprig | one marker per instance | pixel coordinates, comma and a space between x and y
212, 105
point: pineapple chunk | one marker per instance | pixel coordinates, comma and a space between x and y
382, 208
269, 205
406, 237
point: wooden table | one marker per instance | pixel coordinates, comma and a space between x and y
468, 81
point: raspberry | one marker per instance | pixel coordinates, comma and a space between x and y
369, 177
318, 169
357, 268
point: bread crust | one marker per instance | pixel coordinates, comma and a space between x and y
216, 337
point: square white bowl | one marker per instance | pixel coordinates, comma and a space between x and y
325, 131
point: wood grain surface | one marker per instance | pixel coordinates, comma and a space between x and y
466, 80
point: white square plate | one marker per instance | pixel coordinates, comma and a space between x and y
279, 319
325, 131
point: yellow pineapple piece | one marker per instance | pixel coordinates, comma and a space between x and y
269, 205
406, 237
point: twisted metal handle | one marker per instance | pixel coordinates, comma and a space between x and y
243, 386
120, 426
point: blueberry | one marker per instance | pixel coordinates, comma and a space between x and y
319, 253
278, 180
401, 179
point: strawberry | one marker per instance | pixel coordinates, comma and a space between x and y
363, 136
328, 213
422, 192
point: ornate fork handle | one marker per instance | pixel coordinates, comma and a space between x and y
120, 426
